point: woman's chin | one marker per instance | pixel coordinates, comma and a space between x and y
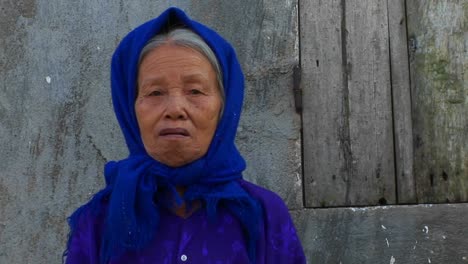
176, 159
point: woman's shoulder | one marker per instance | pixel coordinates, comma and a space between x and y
271, 202
281, 243
86, 225
91, 213
88, 219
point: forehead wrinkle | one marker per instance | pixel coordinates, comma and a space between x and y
161, 64
187, 71
188, 75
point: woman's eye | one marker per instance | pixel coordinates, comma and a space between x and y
195, 91
155, 93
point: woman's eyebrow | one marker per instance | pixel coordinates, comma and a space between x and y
153, 80
194, 77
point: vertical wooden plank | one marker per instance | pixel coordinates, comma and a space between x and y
347, 119
438, 37
402, 123
370, 112
323, 119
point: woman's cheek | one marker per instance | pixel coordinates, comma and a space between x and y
151, 105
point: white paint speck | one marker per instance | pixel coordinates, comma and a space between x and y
392, 260
388, 244
428, 260
48, 79
444, 237
464, 258
383, 227
414, 247
359, 209
98, 48
426, 229
298, 180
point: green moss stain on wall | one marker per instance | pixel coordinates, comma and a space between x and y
439, 71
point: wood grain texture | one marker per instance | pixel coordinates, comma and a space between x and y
348, 138
438, 39
323, 119
390, 234
401, 94
370, 110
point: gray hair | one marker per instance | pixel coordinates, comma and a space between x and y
186, 38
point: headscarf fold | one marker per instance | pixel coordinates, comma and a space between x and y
132, 216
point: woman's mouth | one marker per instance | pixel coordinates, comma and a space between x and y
174, 133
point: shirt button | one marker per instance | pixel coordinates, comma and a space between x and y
183, 258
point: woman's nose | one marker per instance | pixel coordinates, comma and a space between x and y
176, 108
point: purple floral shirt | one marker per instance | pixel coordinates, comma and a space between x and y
197, 240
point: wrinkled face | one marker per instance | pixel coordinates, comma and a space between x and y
178, 104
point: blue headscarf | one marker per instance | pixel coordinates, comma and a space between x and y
132, 215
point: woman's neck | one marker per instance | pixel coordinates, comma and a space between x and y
182, 210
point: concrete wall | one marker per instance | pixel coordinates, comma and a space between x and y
57, 126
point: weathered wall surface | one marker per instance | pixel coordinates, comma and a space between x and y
385, 234
347, 119
57, 127
384, 122
438, 35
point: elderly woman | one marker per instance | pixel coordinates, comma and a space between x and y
179, 197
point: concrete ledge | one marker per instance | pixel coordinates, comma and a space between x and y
388, 234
